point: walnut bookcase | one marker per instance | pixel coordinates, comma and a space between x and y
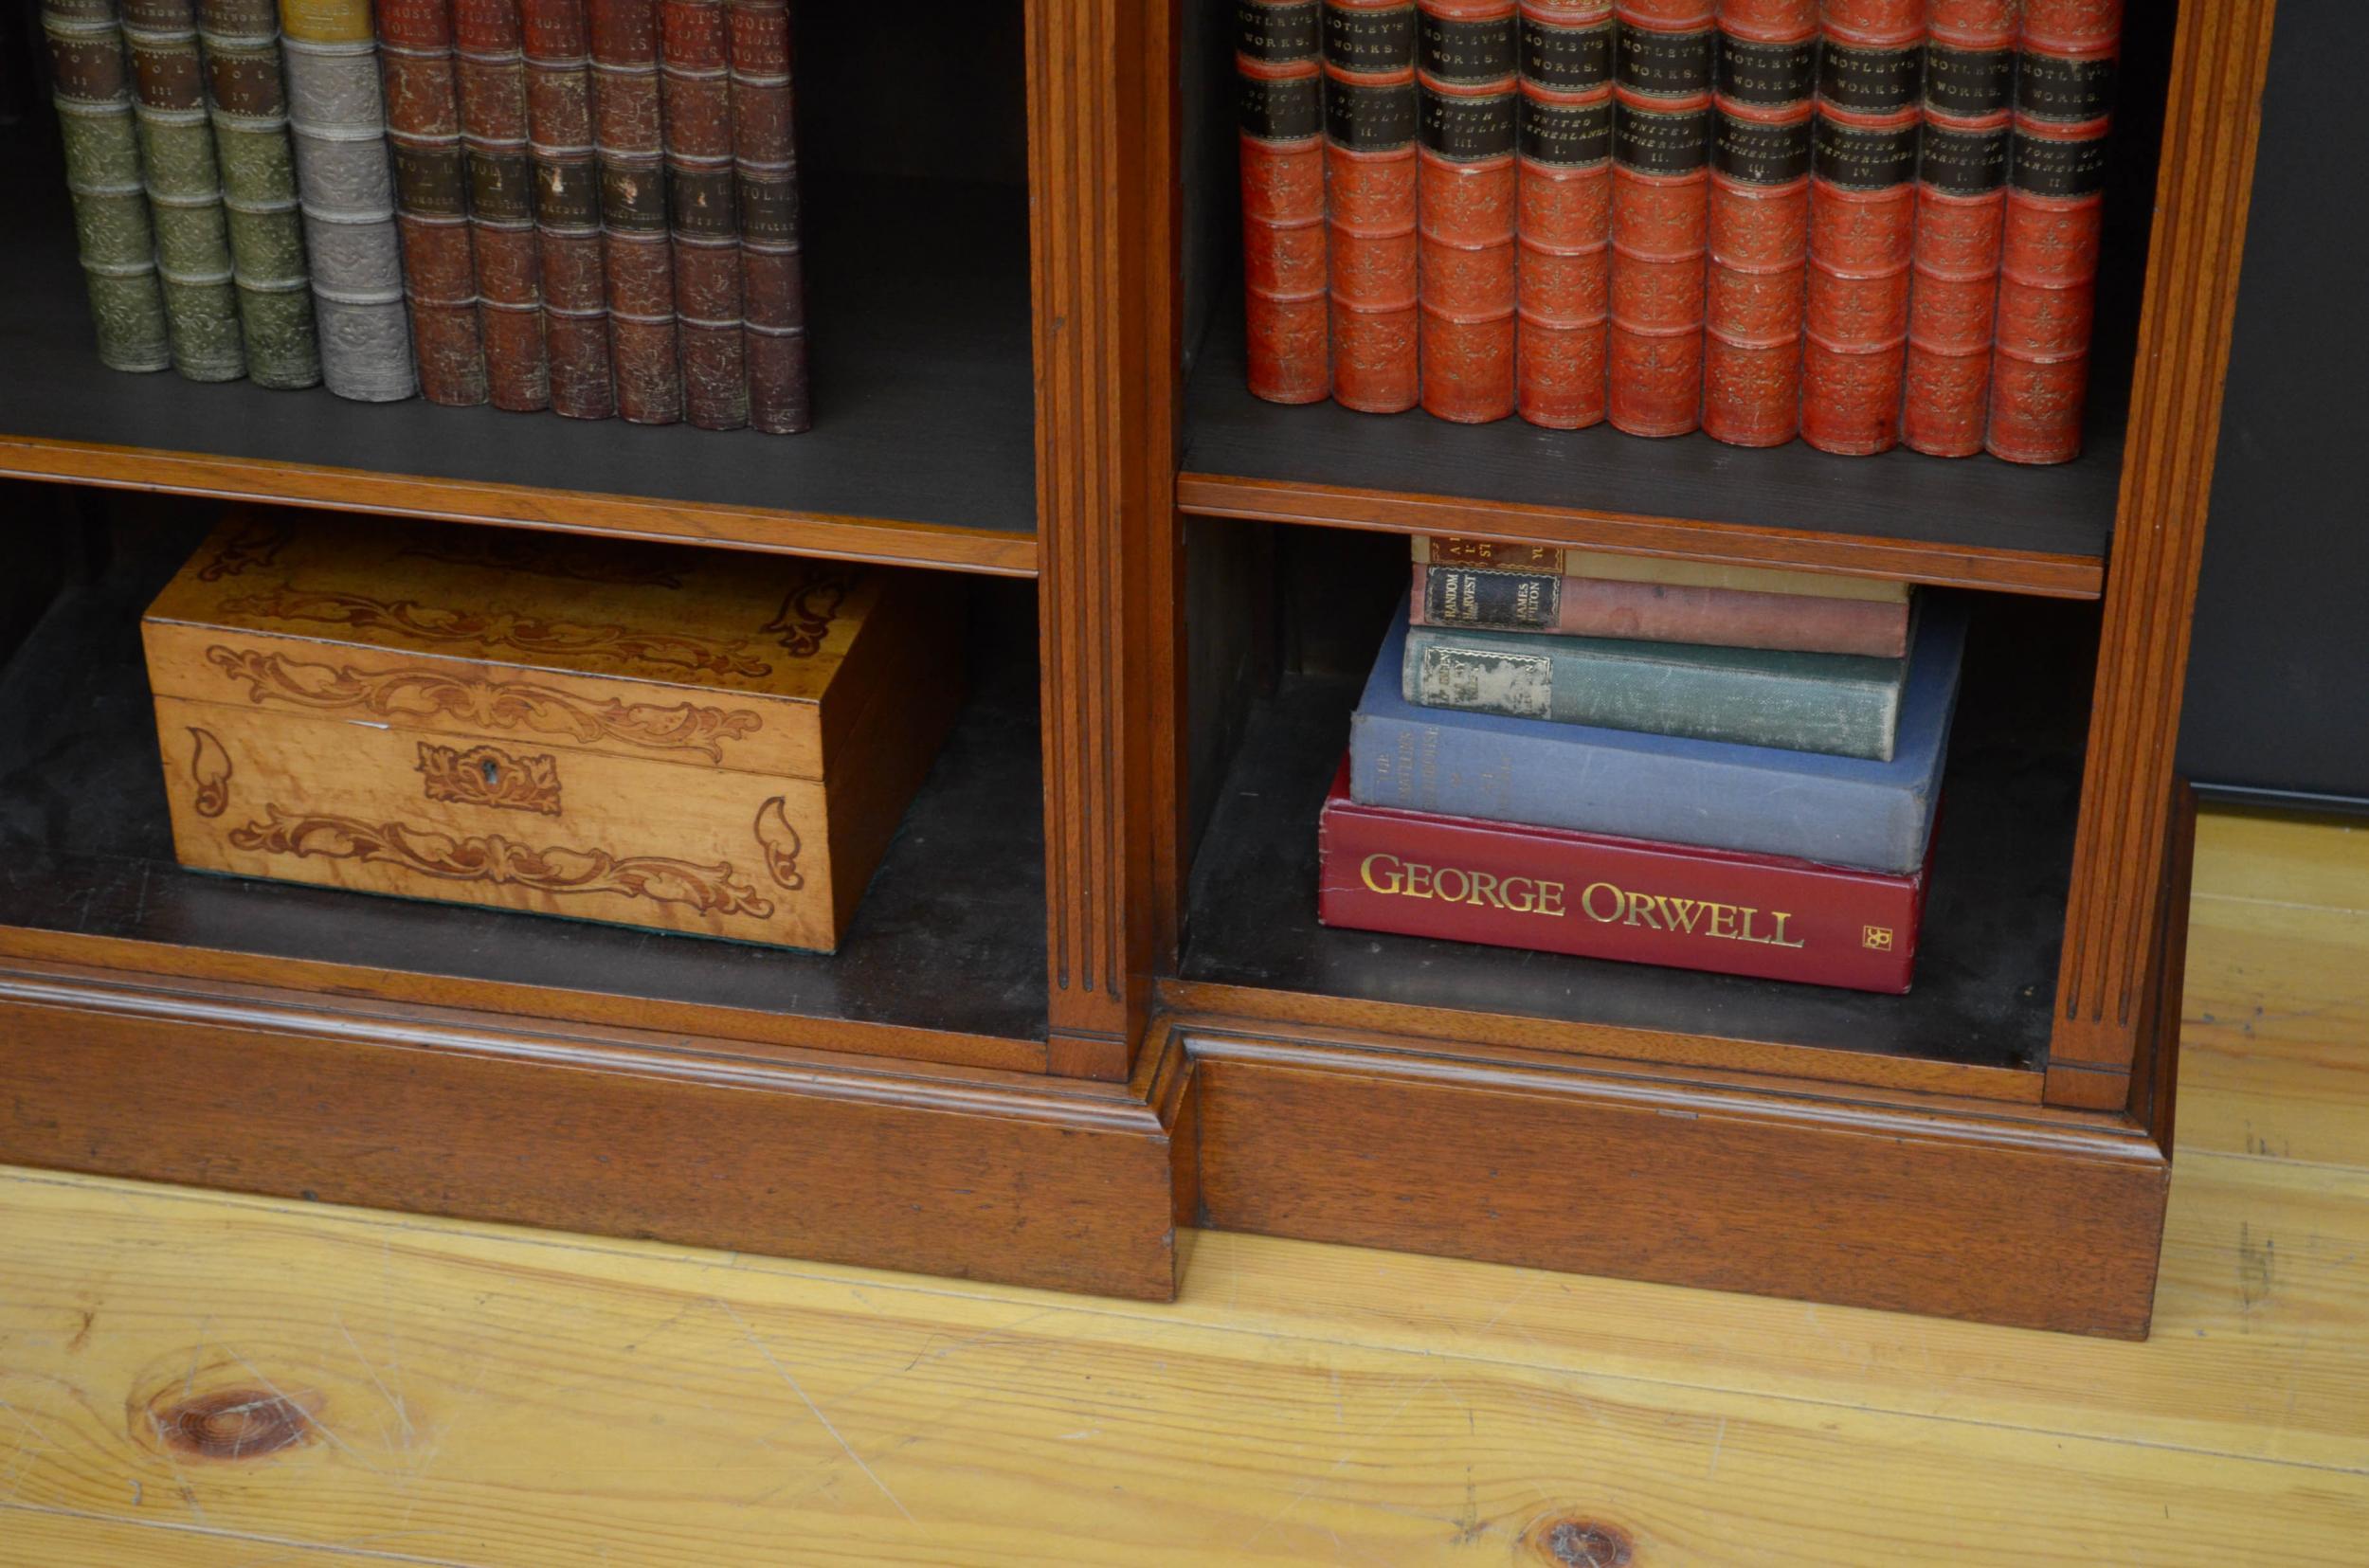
1039, 1051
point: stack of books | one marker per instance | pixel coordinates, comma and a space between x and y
1664, 762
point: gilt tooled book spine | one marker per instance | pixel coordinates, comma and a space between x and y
1370, 202
1961, 197
1660, 214
336, 118
415, 54
1862, 224
1466, 192
1764, 93
764, 167
2055, 199
1656, 612
247, 96
629, 137
1279, 77
1635, 901
91, 86
567, 206
489, 63
696, 85
1563, 216
184, 190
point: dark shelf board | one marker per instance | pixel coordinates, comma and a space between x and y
1986, 968
950, 941
923, 448
1972, 522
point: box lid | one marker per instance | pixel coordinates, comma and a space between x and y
755, 663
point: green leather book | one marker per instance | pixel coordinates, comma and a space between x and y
1844, 705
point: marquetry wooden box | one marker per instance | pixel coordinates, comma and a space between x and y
690, 741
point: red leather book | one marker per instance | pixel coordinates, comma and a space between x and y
2056, 196
1763, 90
1370, 202
432, 198
1465, 182
490, 64
1549, 890
1562, 220
637, 258
1278, 60
695, 80
1497, 599
567, 206
1660, 214
772, 259
1961, 195
1862, 167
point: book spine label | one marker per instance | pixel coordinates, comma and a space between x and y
1662, 120
336, 119
1280, 119
1634, 902
1763, 90
91, 88
1566, 682
248, 101
638, 256
1370, 111
1562, 220
556, 54
1962, 195
696, 89
193, 233
1454, 596
1466, 191
764, 168
1448, 550
415, 50
2054, 205
489, 64
1863, 165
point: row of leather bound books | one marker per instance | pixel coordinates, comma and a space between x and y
586, 206
1710, 767
1863, 223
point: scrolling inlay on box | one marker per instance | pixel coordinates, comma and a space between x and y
529, 724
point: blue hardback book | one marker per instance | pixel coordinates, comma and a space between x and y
1841, 811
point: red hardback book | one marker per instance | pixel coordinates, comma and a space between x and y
490, 64
1466, 188
694, 78
1277, 58
432, 198
1863, 170
2055, 194
773, 255
1563, 222
1660, 214
567, 206
1596, 896
637, 258
1491, 600
1370, 202
1764, 92
1961, 195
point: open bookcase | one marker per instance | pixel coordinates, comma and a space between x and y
1085, 999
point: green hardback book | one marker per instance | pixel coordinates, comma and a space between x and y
1845, 705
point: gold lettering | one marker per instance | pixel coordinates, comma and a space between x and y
1439, 884
1588, 902
1520, 903
1641, 909
1551, 899
1723, 915
1779, 940
1366, 872
1485, 890
1418, 881
1680, 912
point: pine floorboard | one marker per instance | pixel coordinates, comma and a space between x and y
431, 1392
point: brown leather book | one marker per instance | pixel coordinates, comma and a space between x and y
1763, 90
432, 198
1660, 213
773, 255
1277, 63
638, 258
567, 206
1562, 223
1370, 202
1466, 188
489, 66
695, 86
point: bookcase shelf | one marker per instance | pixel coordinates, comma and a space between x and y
911, 336
1969, 523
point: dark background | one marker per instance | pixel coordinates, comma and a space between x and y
2277, 699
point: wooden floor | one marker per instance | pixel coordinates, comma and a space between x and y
394, 1391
